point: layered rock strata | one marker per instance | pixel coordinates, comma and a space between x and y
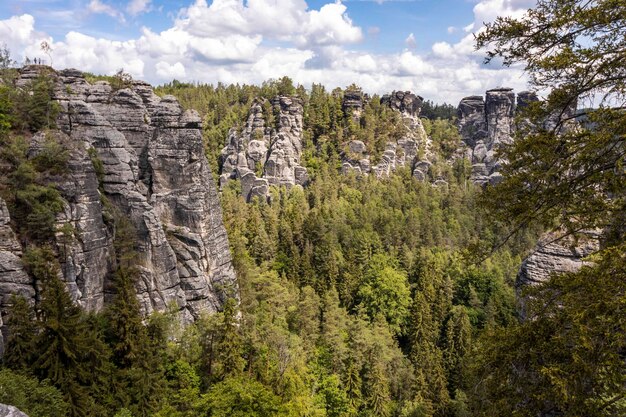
261, 155
155, 173
487, 123
552, 255
13, 277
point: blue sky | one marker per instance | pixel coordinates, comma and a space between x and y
422, 45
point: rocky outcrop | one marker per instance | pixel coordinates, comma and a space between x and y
553, 255
403, 101
485, 124
13, 277
261, 155
155, 173
10, 411
353, 103
402, 153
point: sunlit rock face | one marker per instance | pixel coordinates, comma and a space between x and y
261, 155
552, 255
155, 173
487, 123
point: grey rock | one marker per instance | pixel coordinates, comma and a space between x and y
553, 255
495, 178
499, 111
353, 103
441, 183
420, 172
404, 102
156, 174
10, 411
487, 124
357, 147
276, 150
479, 170
480, 152
524, 98
471, 120
85, 252
13, 277
403, 152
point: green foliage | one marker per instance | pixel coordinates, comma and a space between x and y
37, 399
385, 290
568, 357
22, 329
444, 135
241, 397
63, 339
434, 111
32, 199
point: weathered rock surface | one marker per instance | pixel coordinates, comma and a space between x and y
402, 153
403, 101
553, 256
262, 155
13, 277
10, 411
354, 102
156, 174
487, 123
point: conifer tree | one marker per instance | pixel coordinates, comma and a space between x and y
457, 343
62, 339
20, 346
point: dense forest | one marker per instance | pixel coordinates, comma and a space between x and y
357, 295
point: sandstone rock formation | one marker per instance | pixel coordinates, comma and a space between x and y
13, 277
262, 155
403, 152
353, 103
485, 124
10, 411
155, 173
553, 255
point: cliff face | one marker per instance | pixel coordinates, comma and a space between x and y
485, 124
262, 155
155, 173
552, 255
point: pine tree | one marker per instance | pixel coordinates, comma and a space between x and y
457, 343
62, 341
426, 355
230, 346
22, 329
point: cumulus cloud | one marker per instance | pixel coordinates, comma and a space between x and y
167, 71
237, 41
487, 10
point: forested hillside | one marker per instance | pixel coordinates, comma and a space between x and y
276, 250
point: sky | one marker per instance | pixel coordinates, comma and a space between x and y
425, 46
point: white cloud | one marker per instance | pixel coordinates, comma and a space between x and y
451, 29
410, 41
167, 71
136, 7
486, 11
233, 41
97, 7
